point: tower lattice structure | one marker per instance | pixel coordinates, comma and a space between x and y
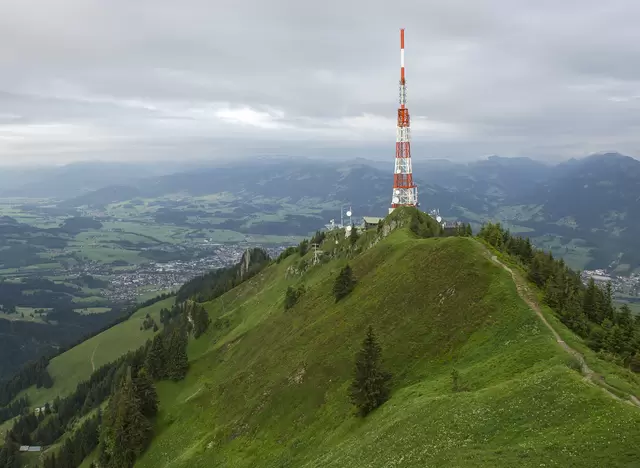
405, 192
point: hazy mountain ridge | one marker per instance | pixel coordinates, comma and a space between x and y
594, 199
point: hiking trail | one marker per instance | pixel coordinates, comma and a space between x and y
527, 296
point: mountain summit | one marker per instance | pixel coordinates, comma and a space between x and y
478, 379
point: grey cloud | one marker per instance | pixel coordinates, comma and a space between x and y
121, 79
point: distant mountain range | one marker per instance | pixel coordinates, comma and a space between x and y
586, 209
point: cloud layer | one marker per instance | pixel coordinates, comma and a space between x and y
91, 79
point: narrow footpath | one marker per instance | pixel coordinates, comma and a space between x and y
528, 297
93, 366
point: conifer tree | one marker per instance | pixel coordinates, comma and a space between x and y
178, 361
146, 393
201, 320
590, 302
344, 284
303, 247
155, 361
370, 387
125, 430
354, 236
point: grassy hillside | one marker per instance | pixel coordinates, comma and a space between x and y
269, 388
76, 365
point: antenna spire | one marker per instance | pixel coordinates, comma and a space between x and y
405, 192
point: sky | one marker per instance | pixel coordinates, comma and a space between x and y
122, 80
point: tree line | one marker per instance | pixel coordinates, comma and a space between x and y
164, 357
32, 373
13, 409
35, 372
588, 309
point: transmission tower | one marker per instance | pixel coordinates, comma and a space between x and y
316, 253
405, 192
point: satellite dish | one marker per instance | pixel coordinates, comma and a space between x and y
396, 200
438, 218
348, 228
398, 171
397, 192
348, 213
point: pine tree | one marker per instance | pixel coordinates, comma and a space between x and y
354, 236
370, 387
146, 393
590, 302
344, 284
178, 361
303, 247
155, 361
201, 320
125, 430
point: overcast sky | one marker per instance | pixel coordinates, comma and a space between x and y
145, 79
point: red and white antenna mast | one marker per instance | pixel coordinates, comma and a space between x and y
405, 193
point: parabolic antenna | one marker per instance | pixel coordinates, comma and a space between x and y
397, 192
348, 213
348, 228
396, 200
398, 171
438, 218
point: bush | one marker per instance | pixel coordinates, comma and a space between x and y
573, 363
292, 296
457, 384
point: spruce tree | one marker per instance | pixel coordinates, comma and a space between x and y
370, 387
354, 236
155, 361
146, 393
201, 320
344, 284
125, 430
178, 361
468, 230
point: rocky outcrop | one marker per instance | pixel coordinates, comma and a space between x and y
252, 260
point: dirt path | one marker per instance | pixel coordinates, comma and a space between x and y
527, 296
93, 366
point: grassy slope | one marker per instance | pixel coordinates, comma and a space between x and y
619, 380
271, 390
74, 365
